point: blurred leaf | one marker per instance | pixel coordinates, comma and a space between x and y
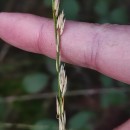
2, 127
51, 65
81, 120
104, 19
54, 85
34, 83
46, 125
102, 7
2, 109
47, 3
71, 9
106, 81
121, 84
10, 86
113, 98
119, 15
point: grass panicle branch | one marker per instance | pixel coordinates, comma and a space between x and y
59, 23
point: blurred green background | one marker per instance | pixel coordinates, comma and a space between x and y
28, 81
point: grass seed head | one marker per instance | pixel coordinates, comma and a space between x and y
61, 22
56, 7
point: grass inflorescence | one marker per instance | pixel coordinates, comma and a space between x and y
59, 23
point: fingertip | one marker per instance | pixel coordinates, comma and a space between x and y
20, 30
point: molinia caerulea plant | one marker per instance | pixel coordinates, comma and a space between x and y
59, 23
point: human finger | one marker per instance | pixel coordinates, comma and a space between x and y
125, 126
105, 48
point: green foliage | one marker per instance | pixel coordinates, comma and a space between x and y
1, 127
50, 63
119, 15
121, 84
71, 8
102, 7
2, 109
81, 120
47, 3
34, 83
107, 14
54, 85
106, 81
113, 98
46, 124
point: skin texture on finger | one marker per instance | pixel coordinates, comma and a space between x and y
105, 48
36, 34
125, 126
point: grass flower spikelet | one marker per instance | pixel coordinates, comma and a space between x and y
59, 23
